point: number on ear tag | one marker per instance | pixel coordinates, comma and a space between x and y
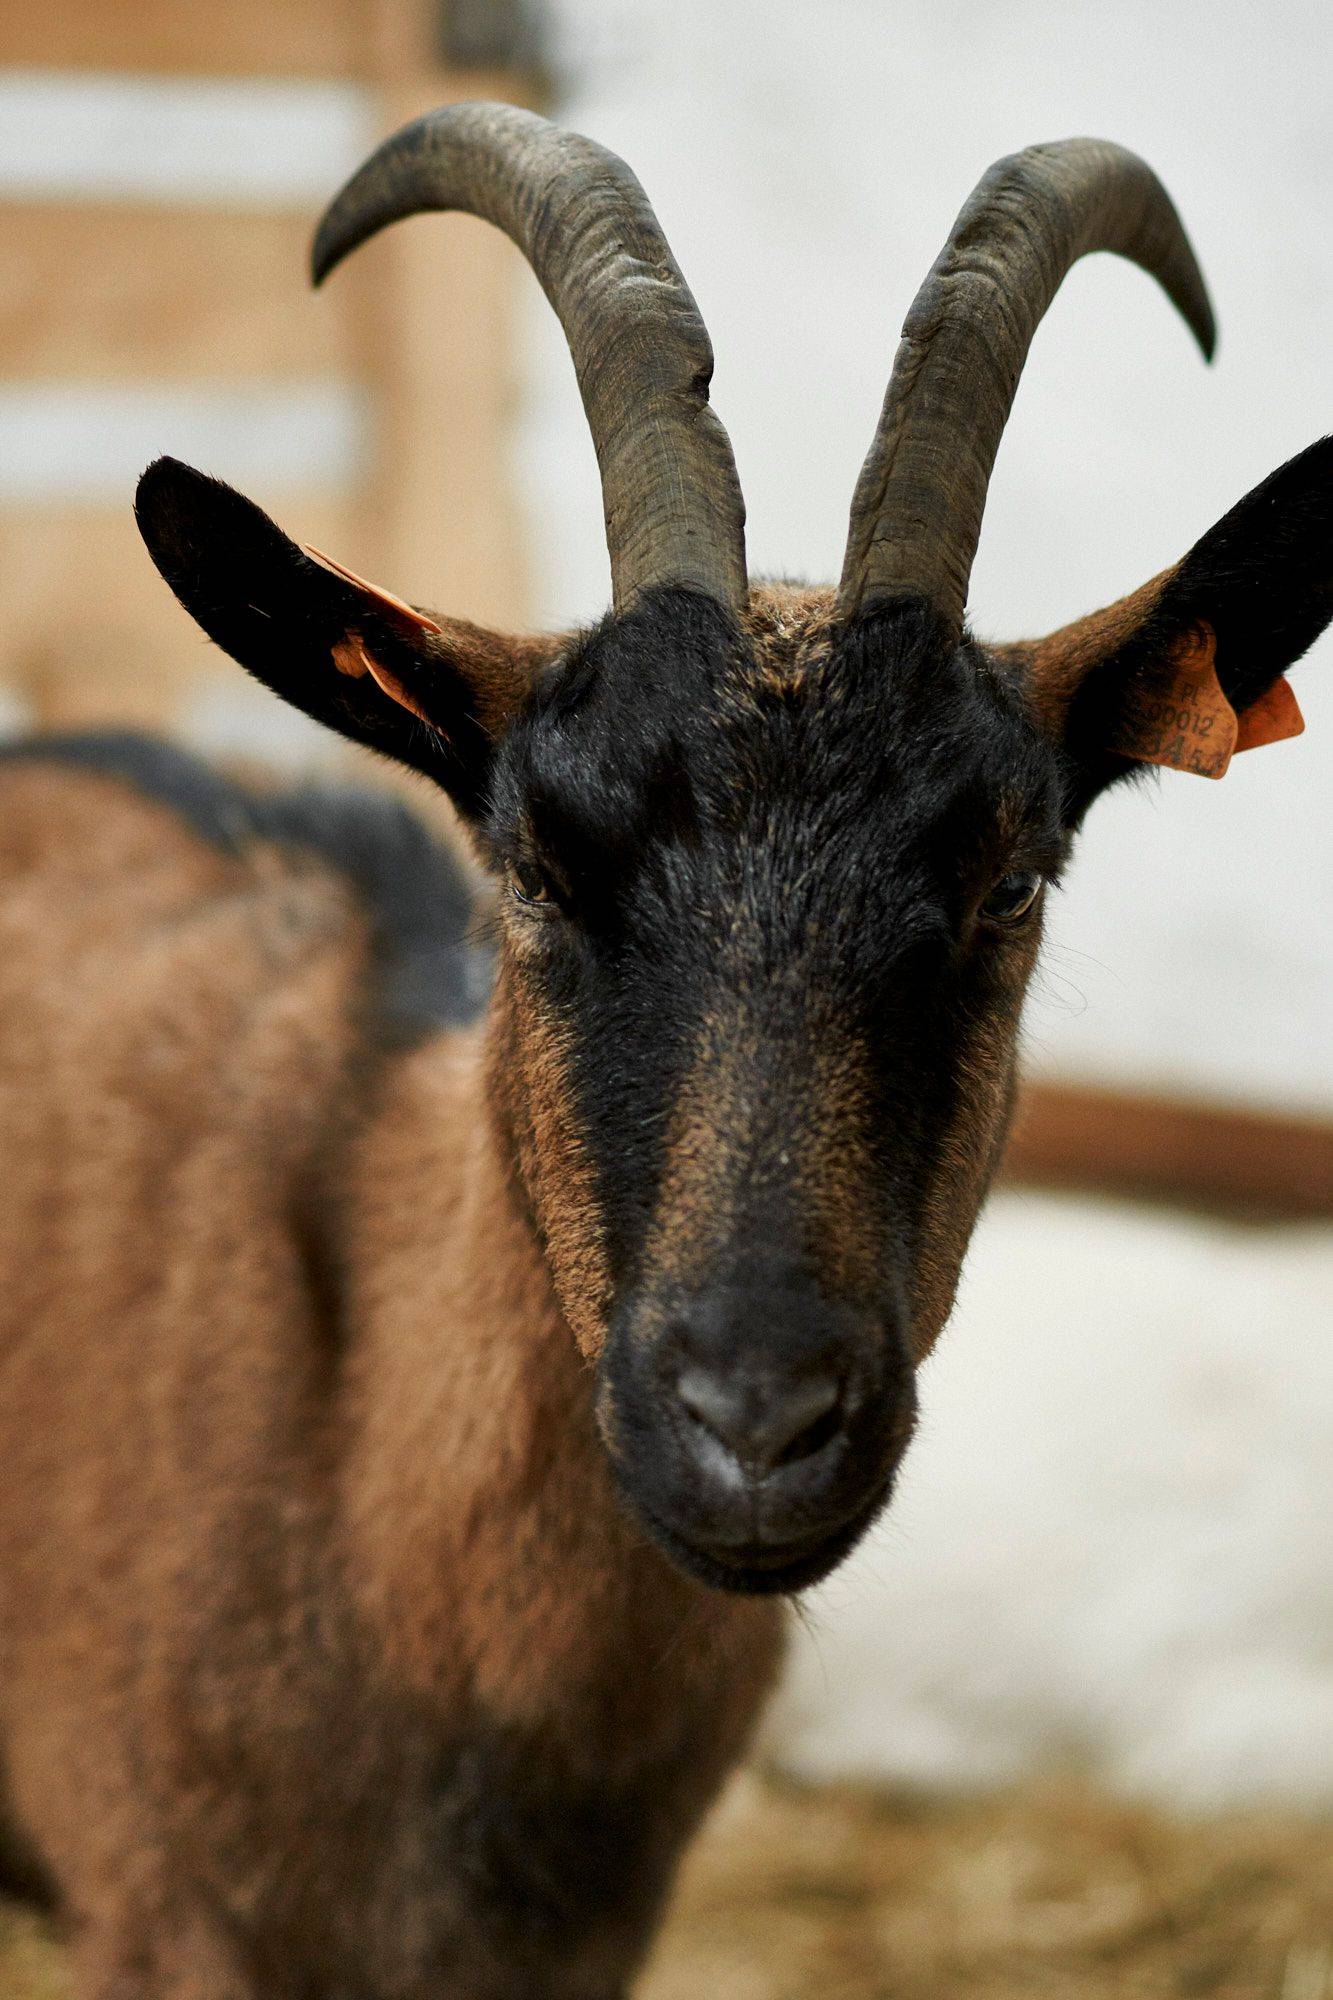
1184, 721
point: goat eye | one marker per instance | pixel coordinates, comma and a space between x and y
1012, 897
526, 884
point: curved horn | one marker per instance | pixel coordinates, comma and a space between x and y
674, 513
916, 513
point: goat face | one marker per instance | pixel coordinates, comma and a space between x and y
770, 862
769, 906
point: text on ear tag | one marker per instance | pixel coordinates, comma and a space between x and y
1182, 720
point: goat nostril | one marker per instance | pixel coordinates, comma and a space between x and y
764, 1426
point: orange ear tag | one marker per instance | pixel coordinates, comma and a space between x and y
1186, 723
1272, 719
1183, 720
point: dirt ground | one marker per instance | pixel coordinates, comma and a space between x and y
838, 1895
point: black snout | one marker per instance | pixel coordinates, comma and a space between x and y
762, 1419
756, 1424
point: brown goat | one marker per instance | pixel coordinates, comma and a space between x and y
411, 1421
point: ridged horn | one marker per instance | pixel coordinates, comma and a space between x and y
917, 509
674, 512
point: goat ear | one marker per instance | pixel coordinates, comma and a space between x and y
1188, 670
432, 694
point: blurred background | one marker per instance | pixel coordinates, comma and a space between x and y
1066, 1724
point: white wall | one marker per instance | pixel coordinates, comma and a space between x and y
806, 158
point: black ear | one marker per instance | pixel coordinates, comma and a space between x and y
435, 695
1190, 668
1263, 577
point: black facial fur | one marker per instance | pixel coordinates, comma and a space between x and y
800, 849
854, 817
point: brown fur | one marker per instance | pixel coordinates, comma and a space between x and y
1055, 667
529, 1091
972, 1148
499, 667
790, 626
307, 1545
719, 1156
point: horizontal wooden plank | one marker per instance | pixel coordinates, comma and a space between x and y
1229, 1158
88, 293
320, 38
244, 37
